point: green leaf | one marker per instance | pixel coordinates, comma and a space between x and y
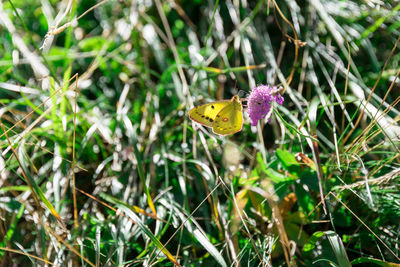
310, 245
286, 158
275, 176
278, 177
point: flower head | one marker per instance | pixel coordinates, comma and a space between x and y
259, 102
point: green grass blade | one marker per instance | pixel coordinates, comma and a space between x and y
11, 230
378, 23
24, 160
336, 244
140, 165
194, 228
147, 232
338, 249
374, 261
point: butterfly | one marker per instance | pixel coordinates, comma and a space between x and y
224, 117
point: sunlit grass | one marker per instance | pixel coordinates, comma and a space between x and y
101, 166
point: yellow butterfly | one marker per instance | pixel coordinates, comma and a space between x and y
224, 117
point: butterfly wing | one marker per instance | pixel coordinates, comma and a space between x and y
230, 119
206, 114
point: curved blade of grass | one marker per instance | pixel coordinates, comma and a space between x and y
312, 115
336, 244
50, 67
142, 177
139, 166
291, 127
34, 186
26, 254
64, 100
378, 23
228, 70
147, 232
11, 230
98, 243
22, 188
338, 249
134, 208
375, 261
211, 23
198, 234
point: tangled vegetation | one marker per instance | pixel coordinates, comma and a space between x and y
101, 166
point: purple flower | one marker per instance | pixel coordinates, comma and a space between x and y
259, 102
